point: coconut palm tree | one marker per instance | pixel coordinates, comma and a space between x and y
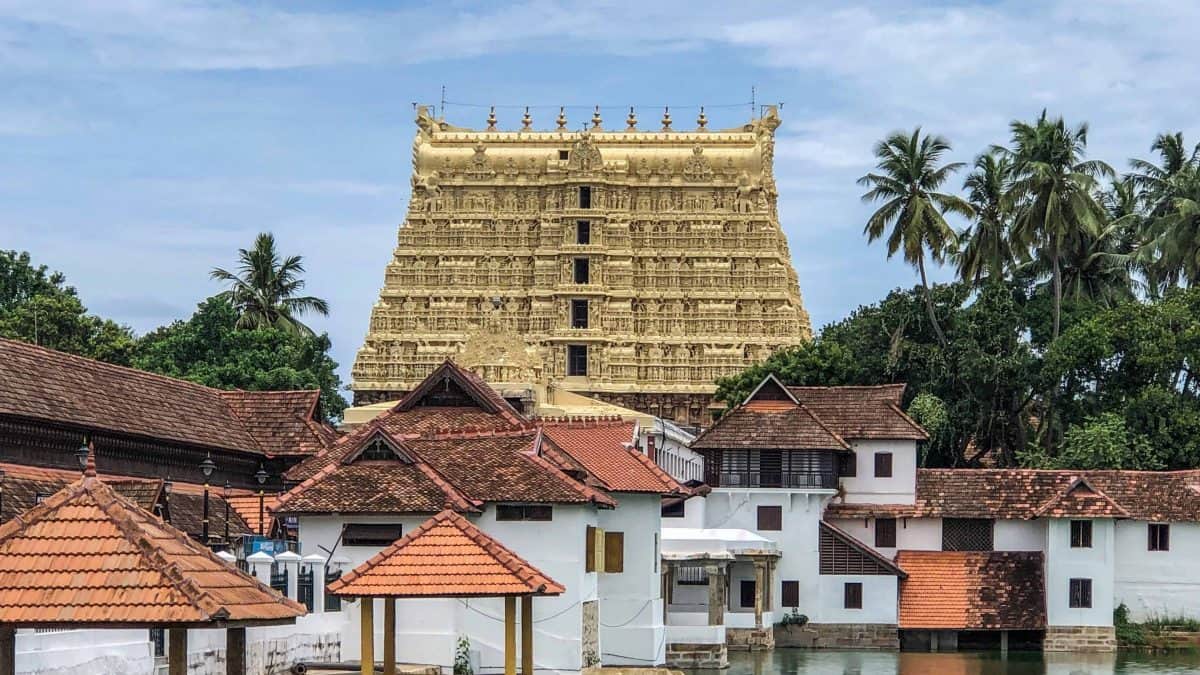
1154, 180
1176, 239
265, 288
1053, 190
1168, 190
909, 175
986, 249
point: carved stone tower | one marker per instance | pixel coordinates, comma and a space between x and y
633, 266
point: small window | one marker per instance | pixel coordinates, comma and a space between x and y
691, 575
883, 465
848, 465
577, 360
853, 595
370, 534
593, 548
885, 533
791, 594
770, 518
614, 552
579, 314
40, 497
673, 509
585, 197
511, 512
1081, 534
583, 232
1160, 537
564, 155
967, 534
582, 271
746, 598
1081, 593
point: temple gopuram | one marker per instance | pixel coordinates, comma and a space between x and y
628, 265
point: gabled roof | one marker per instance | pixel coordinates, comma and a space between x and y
984, 590
86, 555
246, 507
283, 422
445, 557
862, 412
604, 448
1081, 500
770, 418
49, 386
844, 547
450, 374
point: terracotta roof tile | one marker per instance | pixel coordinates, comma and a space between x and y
862, 412
446, 556
986, 590
604, 448
43, 384
283, 422
769, 424
247, 508
88, 555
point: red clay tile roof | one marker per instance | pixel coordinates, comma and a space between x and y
283, 422
862, 412
831, 537
986, 590
604, 448
771, 425
446, 557
1158, 496
247, 508
43, 384
452, 374
86, 555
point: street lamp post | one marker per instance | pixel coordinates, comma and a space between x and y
82, 453
206, 467
261, 477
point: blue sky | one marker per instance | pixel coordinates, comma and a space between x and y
143, 141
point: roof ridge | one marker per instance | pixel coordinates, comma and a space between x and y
1066, 492
851, 541
591, 494
816, 418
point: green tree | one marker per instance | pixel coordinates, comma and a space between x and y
210, 349
37, 306
265, 290
907, 182
1169, 192
986, 248
1053, 189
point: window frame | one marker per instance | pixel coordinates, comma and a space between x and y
991, 532
852, 595
743, 587
675, 510
1079, 593
585, 196
1158, 537
1081, 534
884, 465
889, 531
583, 232
370, 534
848, 465
769, 509
581, 268
518, 513
576, 305
574, 355
789, 589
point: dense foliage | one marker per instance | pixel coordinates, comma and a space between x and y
265, 288
1071, 337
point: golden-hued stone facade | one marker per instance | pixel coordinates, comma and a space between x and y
635, 266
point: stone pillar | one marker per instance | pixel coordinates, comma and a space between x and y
527, 635
316, 564
760, 577
235, 651
668, 580
389, 636
716, 593
177, 651
291, 564
8, 650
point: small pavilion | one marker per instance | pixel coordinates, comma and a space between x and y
87, 557
446, 557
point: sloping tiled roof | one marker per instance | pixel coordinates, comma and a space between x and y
446, 557
769, 424
603, 447
862, 412
836, 546
1080, 500
282, 422
43, 384
247, 508
86, 555
984, 590
450, 372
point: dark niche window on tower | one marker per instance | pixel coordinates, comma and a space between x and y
583, 232
582, 271
564, 155
577, 360
585, 196
579, 314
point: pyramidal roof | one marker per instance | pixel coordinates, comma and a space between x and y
87, 555
445, 557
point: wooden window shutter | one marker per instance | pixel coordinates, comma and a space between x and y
614, 552
791, 594
590, 550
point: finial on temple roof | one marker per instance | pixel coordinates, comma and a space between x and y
631, 120
666, 120
596, 121
702, 120
526, 121
562, 119
491, 120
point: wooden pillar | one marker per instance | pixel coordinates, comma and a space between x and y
367, 636
235, 651
510, 636
760, 578
716, 594
8, 650
527, 635
389, 636
177, 651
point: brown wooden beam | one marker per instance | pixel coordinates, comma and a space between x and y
177, 651
8, 650
367, 636
389, 636
510, 636
527, 635
235, 651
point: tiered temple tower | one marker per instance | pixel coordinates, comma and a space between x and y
634, 266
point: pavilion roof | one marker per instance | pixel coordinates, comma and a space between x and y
446, 557
89, 556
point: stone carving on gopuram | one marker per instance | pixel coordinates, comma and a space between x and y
634, 266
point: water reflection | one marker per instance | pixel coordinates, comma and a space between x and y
787, 661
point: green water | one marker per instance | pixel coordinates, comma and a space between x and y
786, 661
